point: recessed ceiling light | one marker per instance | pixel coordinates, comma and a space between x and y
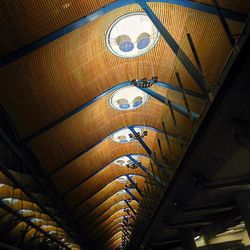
132, 35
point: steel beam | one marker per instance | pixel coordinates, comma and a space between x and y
30, 223
97, 143
44, 184
225, 24
75, 111
178, 108
82, 201
92, 175
144, 169
131, 195
100, 204
27, 49
177, 50
90, 230
11, 177
129, 206
134, 185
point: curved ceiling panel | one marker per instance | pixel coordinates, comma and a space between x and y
64, 88
42, 18
76, 56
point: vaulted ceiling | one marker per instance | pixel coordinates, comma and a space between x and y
57, 77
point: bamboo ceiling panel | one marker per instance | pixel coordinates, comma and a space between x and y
103, 225
68, 72
106, 176
104, 207
99, 236
119, 230
23, 22
242, 6
76, 134
108, 213
97, 158
105, 193
107, 233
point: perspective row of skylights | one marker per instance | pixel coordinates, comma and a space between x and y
130, 36
47, 224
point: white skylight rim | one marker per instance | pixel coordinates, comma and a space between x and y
128, 98
122, 135
124, 160
10, 201
132, 35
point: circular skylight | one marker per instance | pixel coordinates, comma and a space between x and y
132, 35
122, 136
36, 220
9, 201
122, 179
124, 160
128, 98
122, 192
25, 211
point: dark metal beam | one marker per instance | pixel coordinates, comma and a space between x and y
102, 221
75, 111
27, 221
45, 185
100, 203
129, 206
177, 50
90, 176
27, 49
134, 185
97, 143
178, 108
26, 191
82, 201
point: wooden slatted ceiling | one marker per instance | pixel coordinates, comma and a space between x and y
107, 233
236, 5
77, 69
108, 221
104, 194
103, 207
77, 134
99, 208
108, 213
68, 72
25, 21
97, 158
107, 175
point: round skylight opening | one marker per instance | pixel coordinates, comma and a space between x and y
25, 211
132, 35
37, 220
122, 179
122, 192
9, 201
124, 160
128, 98
123, 135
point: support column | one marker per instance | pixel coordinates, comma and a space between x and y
187, 239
